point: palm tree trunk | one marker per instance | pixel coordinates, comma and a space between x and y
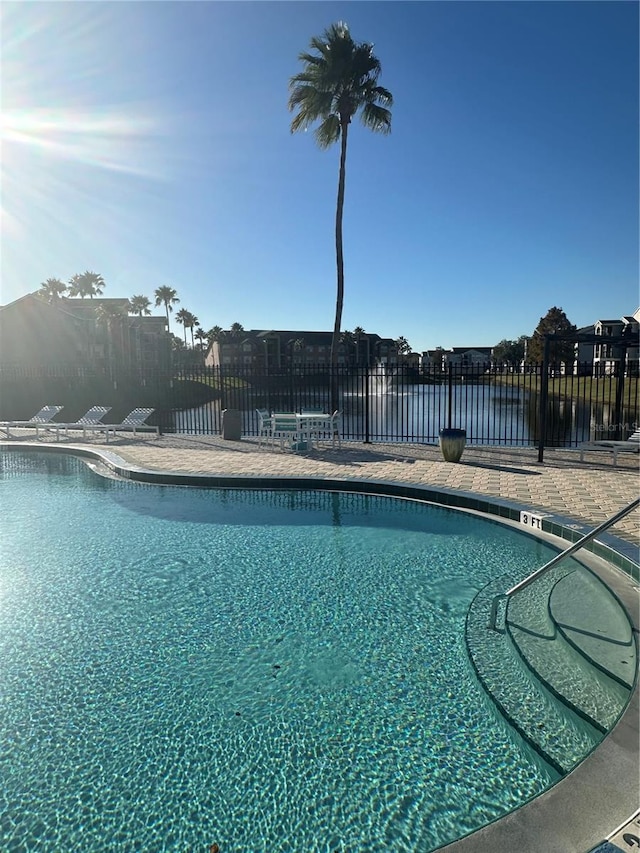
335, 340
166, 308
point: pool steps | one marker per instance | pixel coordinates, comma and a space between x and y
524, 669
576, 608
589, 691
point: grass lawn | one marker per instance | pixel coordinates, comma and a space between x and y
601, 389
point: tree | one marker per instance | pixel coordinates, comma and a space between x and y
555, 321
510, 352
236, 330
139, 305
112, 317
168, 297
339, 80
201, 336
177, 344
403, 346
358, 334
183, 316
87, 283
52, 289
348, 342
110, 314
191, 324
216, 333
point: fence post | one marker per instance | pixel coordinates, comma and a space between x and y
367, 437
544, 396
619, 392
449, 394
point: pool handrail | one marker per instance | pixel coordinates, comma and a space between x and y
505, 596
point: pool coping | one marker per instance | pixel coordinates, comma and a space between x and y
603, 790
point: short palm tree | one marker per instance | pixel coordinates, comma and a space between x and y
201, 336
139, 305
216, 333
52, 289
87, 283
402, 345
168, 297
340, 79
348, 341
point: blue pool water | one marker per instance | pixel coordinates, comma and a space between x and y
267, 671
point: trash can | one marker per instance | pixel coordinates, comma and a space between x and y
231, 424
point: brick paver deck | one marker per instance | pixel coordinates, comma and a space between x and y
588, 492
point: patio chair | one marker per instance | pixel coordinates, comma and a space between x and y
314, 423
134, 422
91, 419
631, 445
39, 421
264, 425
285, 429
335, 428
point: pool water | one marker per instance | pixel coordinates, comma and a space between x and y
262, 670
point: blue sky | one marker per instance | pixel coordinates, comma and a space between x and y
150, 142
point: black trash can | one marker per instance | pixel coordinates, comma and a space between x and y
231, 424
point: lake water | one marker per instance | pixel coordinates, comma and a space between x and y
416, 413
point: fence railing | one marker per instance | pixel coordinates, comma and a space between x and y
493, 403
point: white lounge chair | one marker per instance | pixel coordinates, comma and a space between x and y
39, 421
91, 419
631, 445
134, 422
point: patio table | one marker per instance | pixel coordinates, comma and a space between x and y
297, 429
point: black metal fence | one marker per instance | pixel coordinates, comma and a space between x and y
494, 404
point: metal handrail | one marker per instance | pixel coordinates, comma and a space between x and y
566, 553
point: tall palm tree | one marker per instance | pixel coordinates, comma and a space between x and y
201, 336
139, 305
193, 322
87, 283
168, 297
52, 289
236, 329
339, 80
182, 317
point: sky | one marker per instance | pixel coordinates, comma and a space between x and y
150, 142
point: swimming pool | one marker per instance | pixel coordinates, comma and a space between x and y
281, 671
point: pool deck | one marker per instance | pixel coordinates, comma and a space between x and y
587, 492
577, 814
